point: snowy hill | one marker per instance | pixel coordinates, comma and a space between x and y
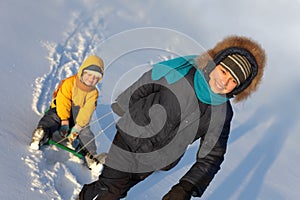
44, 42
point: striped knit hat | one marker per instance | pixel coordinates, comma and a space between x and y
238, 66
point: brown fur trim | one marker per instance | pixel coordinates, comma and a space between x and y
243, 42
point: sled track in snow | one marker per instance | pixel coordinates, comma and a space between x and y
57, 174
54, 177
66, 57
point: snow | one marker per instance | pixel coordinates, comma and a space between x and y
44, 42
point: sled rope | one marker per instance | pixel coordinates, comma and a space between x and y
100, 132
102, 117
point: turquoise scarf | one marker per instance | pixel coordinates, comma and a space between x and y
175, 69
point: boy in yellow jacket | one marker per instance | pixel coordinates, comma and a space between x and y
73, 104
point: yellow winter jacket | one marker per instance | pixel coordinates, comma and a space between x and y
74, 96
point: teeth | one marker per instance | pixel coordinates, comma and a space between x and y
219, 86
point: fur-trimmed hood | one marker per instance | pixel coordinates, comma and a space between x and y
242, 45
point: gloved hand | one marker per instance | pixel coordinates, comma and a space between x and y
64, 130
73, 135
181, 191
117, 109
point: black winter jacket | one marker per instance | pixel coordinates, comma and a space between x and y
159, 123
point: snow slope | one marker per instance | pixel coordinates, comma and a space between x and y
44, 42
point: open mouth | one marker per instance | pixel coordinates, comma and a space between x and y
219, 86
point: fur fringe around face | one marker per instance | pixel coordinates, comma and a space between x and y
243, 42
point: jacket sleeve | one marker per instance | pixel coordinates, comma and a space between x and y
139, 89
64, 99
210, 156
85, 112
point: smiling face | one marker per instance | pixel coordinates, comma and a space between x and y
221, 81
91, 79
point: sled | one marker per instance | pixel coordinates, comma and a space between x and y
61, 146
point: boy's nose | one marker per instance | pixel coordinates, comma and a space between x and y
225, 81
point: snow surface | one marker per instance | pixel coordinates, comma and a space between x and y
44, 42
